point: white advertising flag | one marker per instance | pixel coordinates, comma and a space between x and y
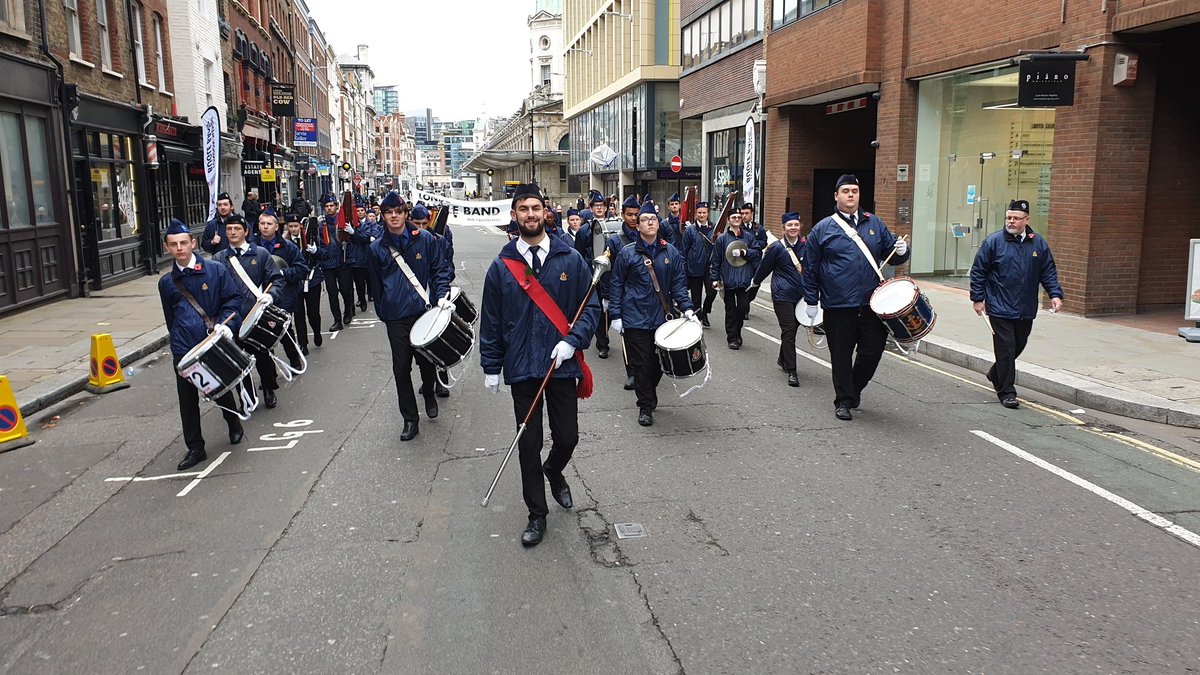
210, 124
749, 164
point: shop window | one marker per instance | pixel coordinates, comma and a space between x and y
36, 150
16, 181
726, 152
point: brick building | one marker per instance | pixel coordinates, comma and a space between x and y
919, 98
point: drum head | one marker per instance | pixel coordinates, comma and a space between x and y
894, 296
195, 352
431, 325
802, 315
455, 291
688, 334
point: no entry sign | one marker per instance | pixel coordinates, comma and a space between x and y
676, 164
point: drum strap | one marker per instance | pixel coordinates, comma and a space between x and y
792, 254
412, 278
544, 302
862, 245
236, 266
208, 322
662, 299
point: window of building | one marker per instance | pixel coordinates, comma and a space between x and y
161, 57
105, 39
787, 11
545, 70
208, 82
720, 30
74, 37
139, 49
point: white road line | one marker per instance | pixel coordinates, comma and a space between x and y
203, 474
1146, 515
777, 341
139, 479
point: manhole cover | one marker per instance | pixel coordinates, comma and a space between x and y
630, 530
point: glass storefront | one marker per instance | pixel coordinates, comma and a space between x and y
106, 177
726, 155
660, 133
976, 151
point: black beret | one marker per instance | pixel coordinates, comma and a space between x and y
846, 179
1019, 205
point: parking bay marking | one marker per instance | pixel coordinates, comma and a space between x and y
293, 437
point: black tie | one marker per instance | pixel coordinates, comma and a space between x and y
537, 263
853, 218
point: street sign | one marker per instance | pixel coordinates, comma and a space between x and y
267, 175
676, 164
357, 181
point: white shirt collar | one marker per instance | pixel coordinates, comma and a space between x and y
244, 247
191, 263
544, 245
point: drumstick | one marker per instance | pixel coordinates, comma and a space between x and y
988, 321
885, 260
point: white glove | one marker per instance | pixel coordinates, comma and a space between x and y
267, 299
618, 326
737, 253
446, 304
691, 316
811, 311
311, 248
349, 229
224, 330
901, 247
491, 383
604, 304
563, 351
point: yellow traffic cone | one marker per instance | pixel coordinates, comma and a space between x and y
105, 368
12, 428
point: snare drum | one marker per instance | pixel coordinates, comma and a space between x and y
463, 307
215, 366
442, 337
903, 309
680, 347
263, 327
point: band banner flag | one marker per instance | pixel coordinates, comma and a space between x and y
464, 213
210, 125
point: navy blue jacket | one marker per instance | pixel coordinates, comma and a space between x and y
613, 245
734, 277
786, 284
514, 335
261, 269
315, 274
331, 253
447, 242
633, 299
215, 227
356, 249
672, 230
835, 270
395, 297
583, 241
697, 248
1007, 272
215, 290
294, 275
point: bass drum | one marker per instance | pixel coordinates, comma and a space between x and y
442, 337
680, 347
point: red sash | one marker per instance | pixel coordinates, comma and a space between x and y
544, 302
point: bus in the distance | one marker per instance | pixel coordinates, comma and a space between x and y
458, 189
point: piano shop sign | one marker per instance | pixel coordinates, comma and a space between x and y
1045, 84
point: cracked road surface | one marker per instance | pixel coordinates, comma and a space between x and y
779, 539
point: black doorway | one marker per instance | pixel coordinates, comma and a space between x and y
824, 181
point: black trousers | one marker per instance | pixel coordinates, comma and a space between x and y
403, 356
736, 306
647, 371
602, 331
785, 313
698, 285
339, 284
848, 331
308, 310
562, 408
289, 342
265, 365
1009, 341
189, 410
359, 275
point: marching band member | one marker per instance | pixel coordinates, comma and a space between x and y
785, 259
214, 230
733, 280
517, 337
571, 231
639, 306
630, 209
254, 270
339, 281
758, 233
399, 304
838, 274
210, 285
308, 307
293, 276
361, 238
697, 248
420, 220
599, 206
1004, 285
672, 223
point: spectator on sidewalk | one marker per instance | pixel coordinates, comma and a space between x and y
214, 230
251, 208
1008, 269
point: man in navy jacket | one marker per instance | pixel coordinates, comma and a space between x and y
734, 280
399, 304
1008, 269
837, 274
335, 265
517, 339
785, 259
294, 274
214, 230
217, 294
697, 247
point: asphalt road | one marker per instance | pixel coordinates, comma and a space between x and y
931, 534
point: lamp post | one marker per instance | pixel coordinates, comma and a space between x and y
532, 149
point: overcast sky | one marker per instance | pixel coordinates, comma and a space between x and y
458, 57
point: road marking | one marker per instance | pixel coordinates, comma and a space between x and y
777, 341
1146, 515
203, 474
139, 479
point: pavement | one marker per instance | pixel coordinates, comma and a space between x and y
1125, 369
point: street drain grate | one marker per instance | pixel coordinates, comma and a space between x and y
629, 530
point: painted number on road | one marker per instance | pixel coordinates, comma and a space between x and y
292, 437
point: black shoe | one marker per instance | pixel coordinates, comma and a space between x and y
191, 459
704, 320
304, 349
734, 345
1011, 403
362, 305
628, 383
603, 352
645, 417
746, 316
793, 380
337, 325
842, 412
317, 339
410, 431
295, 363
236, 435
347, 317
431, 407
269, 398
532, 536
440, 389
559, 489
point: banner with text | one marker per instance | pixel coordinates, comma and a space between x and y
304, 132
468, 213
210, 125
